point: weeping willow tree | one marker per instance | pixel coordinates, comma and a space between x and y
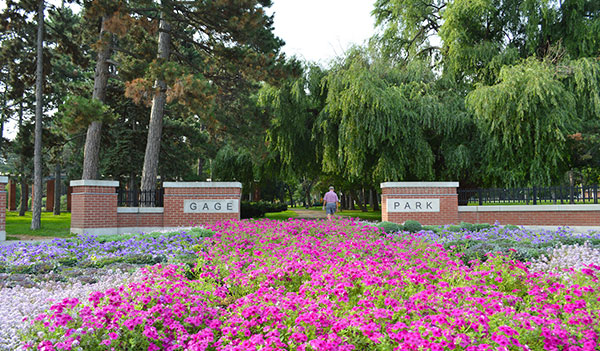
294, 106
234, 164
384, 122
529, 115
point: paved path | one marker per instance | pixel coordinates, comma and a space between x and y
309, 214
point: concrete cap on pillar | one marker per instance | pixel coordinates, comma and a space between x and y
202, 185
419, 185
92, 182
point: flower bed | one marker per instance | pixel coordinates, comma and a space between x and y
93, 251
20, 302
311, 285
559, 251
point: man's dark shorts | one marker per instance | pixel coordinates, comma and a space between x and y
330, 208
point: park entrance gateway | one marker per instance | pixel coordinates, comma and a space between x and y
186, 204
426, 202
437, 203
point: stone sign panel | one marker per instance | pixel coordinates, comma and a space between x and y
211, 206
413, 205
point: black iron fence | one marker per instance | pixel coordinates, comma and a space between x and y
580, 194
138, 198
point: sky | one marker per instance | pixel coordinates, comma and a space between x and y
320, 30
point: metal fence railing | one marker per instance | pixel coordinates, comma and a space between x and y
580, 194
138, 198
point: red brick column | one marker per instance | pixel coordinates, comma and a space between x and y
188, 204
426, 202
50, 195
12, 196
94, 207
3, 181
69, 192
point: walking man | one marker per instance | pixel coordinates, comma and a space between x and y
330, 201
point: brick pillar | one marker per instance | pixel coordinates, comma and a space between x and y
188, 204
50, 195
426, 202
69, 192
3, 181
12, 195
94, 208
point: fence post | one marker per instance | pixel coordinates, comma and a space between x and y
571, 194
134, 198
480, 196
595, 193
534, 196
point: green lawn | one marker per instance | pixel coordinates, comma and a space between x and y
52, 226
370, 215
367, 216
282, 216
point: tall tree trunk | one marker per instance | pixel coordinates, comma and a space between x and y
375, 200
201, 162
356, 195
289, 190
351, 196
2, 118
363, 200
57, 189
150, 170
36, 218
92, 140
24, 196
23, 200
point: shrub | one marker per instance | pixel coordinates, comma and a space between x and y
258, 209
252, 210
454, 228
389, 227
412, 226
482, 226
434, 228
467, 226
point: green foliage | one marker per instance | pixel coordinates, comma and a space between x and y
434, 228
407, 26
258, 209
293, 106
412, 226
379, 118
467, 226
232, 164
78, 112
526, 118
534, 60
390, 227
454, 228
481, 226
